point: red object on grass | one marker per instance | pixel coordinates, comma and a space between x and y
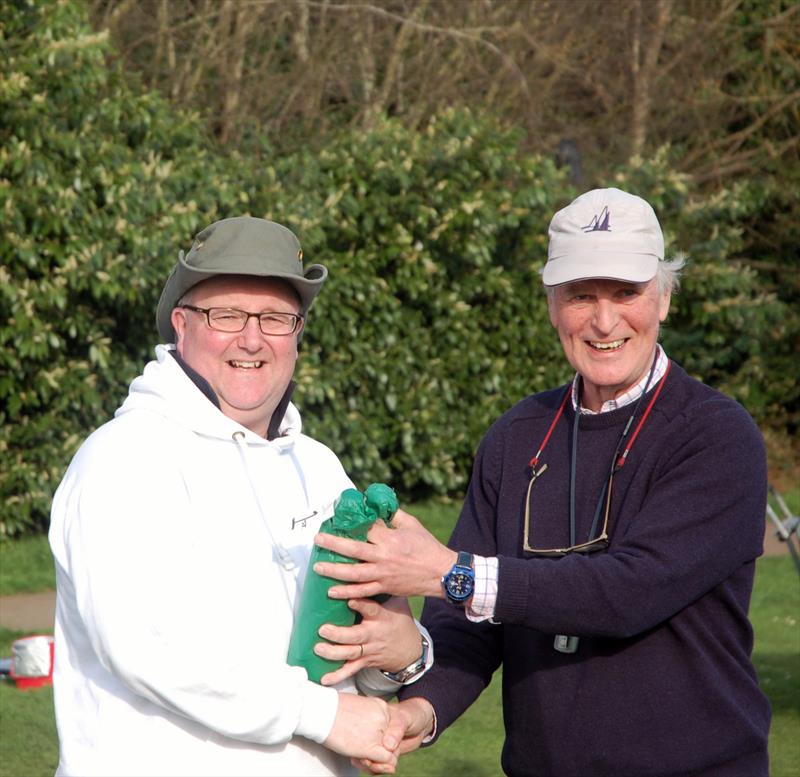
32, 661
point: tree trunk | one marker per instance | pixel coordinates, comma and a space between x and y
645, 49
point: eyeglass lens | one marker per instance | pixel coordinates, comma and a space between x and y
232, 320
590, 546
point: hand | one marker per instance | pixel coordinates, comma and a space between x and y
411, 721
387, 633
404, 559
359, 728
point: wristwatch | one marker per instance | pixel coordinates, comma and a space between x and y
459, 582
412, 671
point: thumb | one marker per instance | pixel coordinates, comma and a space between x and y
404, 520
396, 730
367, 608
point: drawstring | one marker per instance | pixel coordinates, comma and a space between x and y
283, 555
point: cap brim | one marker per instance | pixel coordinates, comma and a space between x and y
633, 268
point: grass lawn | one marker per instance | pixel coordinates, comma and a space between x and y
775, 611
26, 566
28, 742
28, 746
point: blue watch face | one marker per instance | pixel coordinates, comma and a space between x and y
459, 585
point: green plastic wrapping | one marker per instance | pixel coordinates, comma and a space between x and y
353, 514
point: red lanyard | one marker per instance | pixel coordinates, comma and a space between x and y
623, 457
535, 459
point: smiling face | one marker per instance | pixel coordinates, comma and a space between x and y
248, 371
608, 330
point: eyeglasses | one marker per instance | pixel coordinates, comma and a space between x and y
598, 543
234, 320
618, 461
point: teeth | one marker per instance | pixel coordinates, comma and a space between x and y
608, 346
245, 365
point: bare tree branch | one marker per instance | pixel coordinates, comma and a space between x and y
643, 69
470, 35
297, 69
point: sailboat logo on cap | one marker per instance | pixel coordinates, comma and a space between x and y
600, 223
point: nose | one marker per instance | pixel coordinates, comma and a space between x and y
605, 316
251, 338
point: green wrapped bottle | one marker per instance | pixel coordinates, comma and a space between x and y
353, 514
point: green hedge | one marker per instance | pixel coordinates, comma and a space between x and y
97, 184
433, 322
731, 325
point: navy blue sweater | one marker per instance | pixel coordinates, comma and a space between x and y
662, 682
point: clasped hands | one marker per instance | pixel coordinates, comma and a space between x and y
374, 734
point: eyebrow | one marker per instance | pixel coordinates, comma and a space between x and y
262, 312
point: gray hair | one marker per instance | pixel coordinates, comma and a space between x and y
668, 275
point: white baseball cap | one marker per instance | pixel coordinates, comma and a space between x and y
604, 233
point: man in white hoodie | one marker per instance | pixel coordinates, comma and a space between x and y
182, 532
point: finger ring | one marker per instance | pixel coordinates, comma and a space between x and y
361, 655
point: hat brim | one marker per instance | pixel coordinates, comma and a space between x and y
616, 265
184, 277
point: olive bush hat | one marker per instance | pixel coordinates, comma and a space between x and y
239, 246
604, 233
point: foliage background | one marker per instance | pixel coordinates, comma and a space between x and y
114, 151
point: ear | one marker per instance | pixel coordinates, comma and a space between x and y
663, 305
551, 308
298, 337
178, 320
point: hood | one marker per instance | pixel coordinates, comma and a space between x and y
165, 389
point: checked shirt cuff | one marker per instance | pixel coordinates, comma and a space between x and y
484, 597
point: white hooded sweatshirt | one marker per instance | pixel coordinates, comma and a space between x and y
181, 540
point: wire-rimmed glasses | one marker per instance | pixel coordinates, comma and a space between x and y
234, 320
598, 543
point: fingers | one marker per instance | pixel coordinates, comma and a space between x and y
393, 739
372, 767
358, 728
339, 652
347, 669
344, 635
410, 744
382, 760
379, 532
404, 520
395, 732
386, 638
355, 591
360, 634
420, 715
368, 608
362, 551
350, 573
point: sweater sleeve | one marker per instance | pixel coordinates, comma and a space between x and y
702, 519
142, 598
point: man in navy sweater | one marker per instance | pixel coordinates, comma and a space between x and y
606, 549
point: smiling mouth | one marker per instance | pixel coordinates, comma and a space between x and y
242, 365
613, 345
